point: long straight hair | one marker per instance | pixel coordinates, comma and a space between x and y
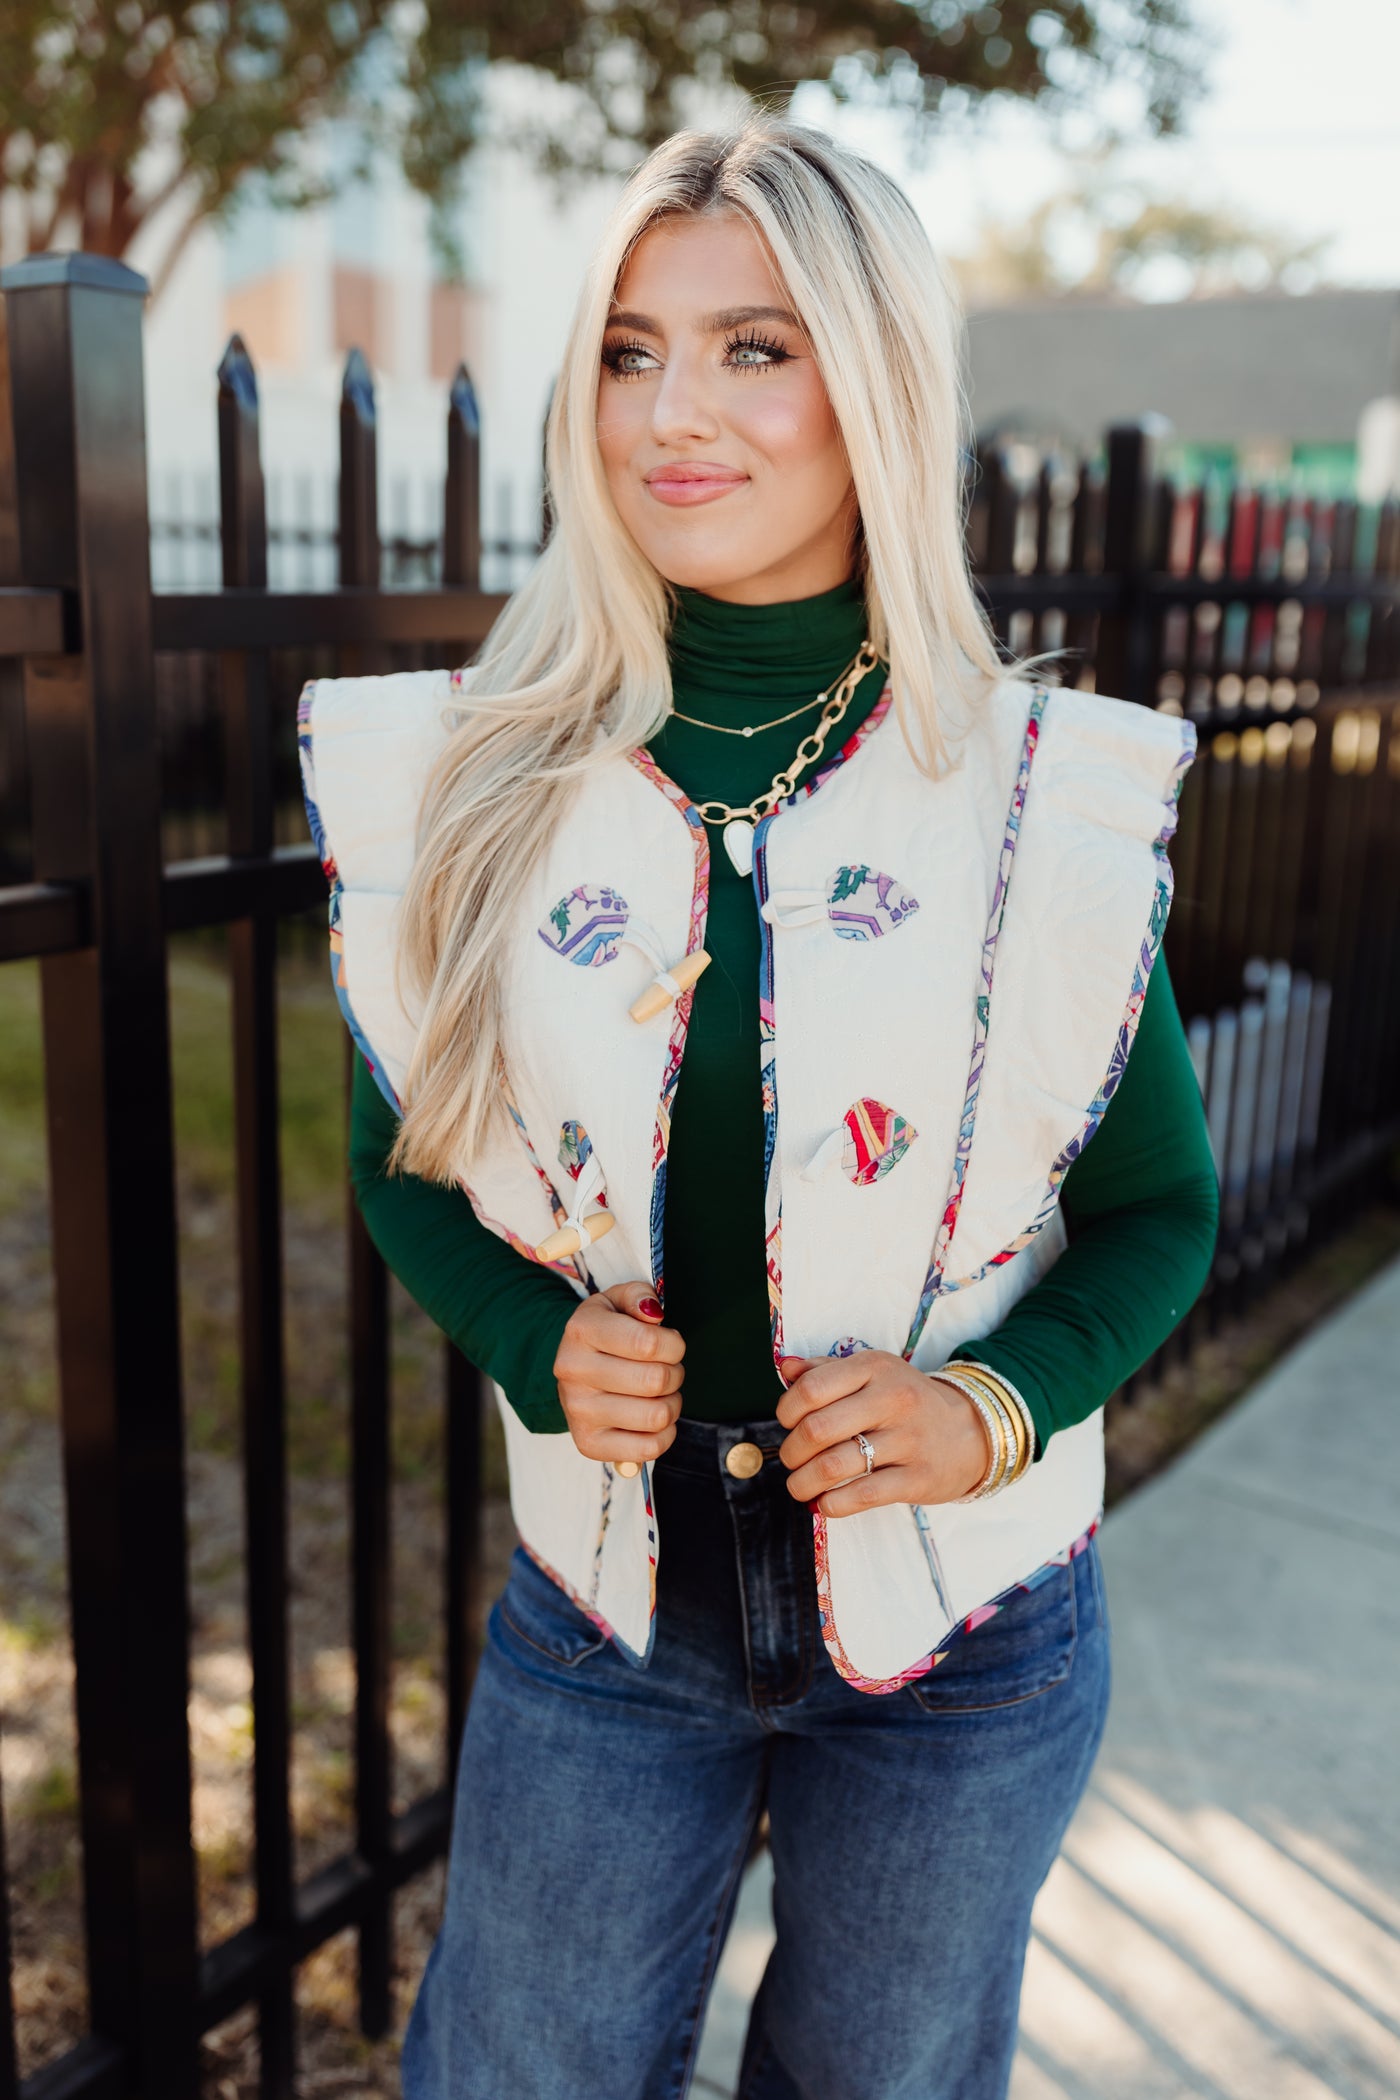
575, 673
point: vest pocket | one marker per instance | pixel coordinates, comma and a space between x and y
1025, 1650
538, 1612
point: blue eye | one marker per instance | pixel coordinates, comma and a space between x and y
626, 360
755, 353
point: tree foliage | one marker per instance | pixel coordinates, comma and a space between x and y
109, 112
1106, 235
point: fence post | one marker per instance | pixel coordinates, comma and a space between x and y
461, 522
253, 973
466, 1396
75, 346
1123, 659
369, 1352
359, 476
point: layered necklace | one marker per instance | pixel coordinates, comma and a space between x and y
739, 824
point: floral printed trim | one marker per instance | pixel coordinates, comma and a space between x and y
306, 759
936, 1283
590, 1610
974, 1619
981, 1023
767, 1021
588, 1605
1147, 955
680, 1021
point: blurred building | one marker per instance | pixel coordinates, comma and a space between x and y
302, 288
1303, 387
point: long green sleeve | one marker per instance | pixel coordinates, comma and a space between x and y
504, 1314
1141, 1203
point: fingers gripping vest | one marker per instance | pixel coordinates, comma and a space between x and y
952, 976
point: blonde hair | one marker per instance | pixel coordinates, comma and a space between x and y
575, 673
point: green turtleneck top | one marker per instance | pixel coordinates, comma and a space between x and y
1140, 1202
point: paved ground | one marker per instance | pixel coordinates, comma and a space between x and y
1224, 1923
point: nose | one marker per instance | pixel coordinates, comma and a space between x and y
681, 410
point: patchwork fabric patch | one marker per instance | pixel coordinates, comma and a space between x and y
581, 1163
586, 926
876, 1140
863, 903
575, 1148
848, 1345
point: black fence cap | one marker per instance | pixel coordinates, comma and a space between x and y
102, 272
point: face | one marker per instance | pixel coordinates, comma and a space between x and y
718, 441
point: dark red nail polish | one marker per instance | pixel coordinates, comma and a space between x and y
649, 1308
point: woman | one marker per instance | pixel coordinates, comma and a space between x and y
748, 947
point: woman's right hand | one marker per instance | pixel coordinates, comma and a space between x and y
619, 1373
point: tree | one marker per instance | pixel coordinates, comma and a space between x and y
111, 113
1103, 234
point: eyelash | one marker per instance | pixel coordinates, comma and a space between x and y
614, 352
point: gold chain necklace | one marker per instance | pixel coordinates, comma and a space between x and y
739, 823
723, 729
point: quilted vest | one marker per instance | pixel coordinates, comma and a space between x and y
952, 972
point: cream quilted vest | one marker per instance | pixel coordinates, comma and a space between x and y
952, 976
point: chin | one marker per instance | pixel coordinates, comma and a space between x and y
712, 568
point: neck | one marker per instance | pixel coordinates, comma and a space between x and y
737, 657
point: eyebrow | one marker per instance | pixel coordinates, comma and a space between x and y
709, 324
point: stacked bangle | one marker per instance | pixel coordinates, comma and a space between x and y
1010, 1433
996, 1440
1009, 1395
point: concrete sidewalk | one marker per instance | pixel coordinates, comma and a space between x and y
1224, 1922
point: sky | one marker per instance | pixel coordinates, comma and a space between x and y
1299, 129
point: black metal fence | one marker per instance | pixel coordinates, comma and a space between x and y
1268, 627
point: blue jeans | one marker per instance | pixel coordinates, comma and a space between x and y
604, 1814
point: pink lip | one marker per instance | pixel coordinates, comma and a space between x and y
694, 482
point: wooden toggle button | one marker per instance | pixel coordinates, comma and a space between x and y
668, 985
569, 1240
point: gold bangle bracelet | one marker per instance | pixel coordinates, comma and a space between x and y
1022, 1404
996, 1434
1009, 1472
991, 1385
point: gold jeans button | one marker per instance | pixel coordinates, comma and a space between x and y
744, 1461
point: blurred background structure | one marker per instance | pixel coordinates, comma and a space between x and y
251, 1512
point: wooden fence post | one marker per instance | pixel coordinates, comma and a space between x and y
74, 324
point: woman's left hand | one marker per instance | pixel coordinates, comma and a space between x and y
929, 1441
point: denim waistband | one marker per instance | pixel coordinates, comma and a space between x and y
700, 1448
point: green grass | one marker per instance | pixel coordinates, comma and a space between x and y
311, 1059
22, 1164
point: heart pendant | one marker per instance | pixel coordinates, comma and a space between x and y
738, 843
